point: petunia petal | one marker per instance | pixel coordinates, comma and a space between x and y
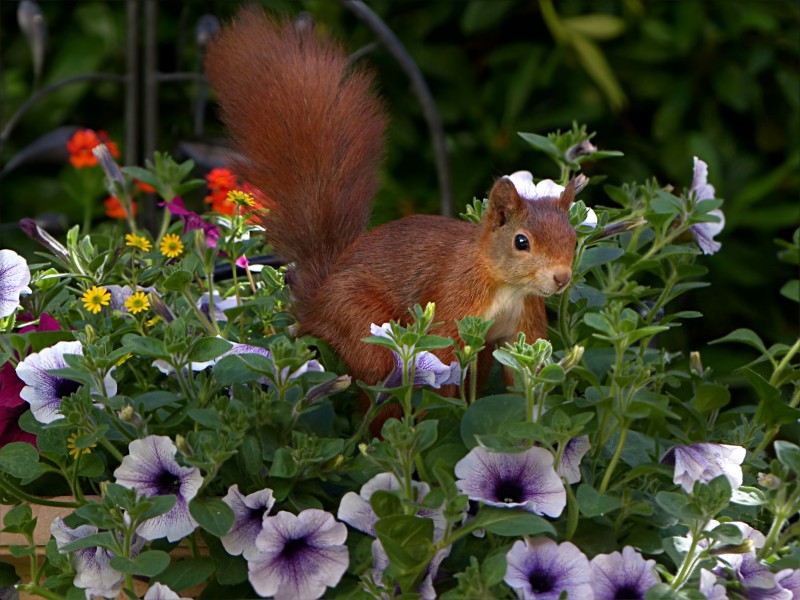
14, 279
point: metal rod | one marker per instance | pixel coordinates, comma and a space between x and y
132, 84
150, 99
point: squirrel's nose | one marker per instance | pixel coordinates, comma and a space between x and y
562, 278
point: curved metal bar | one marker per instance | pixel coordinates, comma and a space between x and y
421, 90
26, 106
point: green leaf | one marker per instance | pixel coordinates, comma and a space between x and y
595, 64
212, 514
385, 504
673, 502
147, 564
598, 27
491, 415
185, 573
771, 408
208, 348
95, 540
426, 433
18, 516
551, 374
788, 454
599, 255
791, 290
406, 540
593, 504
8, 575
145, 346
21, 460
541, 143
743, 336
177, 281
142, 175
97, 514
510, 522
710, 397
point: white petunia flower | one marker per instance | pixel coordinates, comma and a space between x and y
14, 279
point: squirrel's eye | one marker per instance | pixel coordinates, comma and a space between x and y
521, 242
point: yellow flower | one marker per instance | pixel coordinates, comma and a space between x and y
171, 245
138, 241
74, 452
153, 321
137, 303
240, 197
122, 360
96, 298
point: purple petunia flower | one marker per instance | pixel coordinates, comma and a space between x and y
524, 480
220, 306
540, 569
151, 469
249, 512
704, 232
625, 575
709, 586
299, 555
546, 188
93, 570
120, 293
703, 462
191, 220
159, 591
44, 391
14, 279
380, 560
356, 511
570, 463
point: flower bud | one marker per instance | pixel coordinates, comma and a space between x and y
622, 227
180, 443
328, 388
695, 364
743, 548
769, 481
573, 357
111, 169
584, 148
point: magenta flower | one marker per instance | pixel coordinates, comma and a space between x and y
705, 461
249, 512
14, 279
523, 480
191, 220
151, 469
625, 575
299, 556
540, 569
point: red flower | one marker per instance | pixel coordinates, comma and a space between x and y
115, 210
221, 181
80, 147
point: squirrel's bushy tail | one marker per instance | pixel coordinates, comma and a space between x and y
311, 132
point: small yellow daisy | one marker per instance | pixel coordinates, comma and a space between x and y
122, 360
137, 303
74, 452
153, 321
240, 197
138, 241
96, 298
171, 245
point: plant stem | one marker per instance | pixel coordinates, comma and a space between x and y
687, 567
784, 361
40, 592
12, 490
110, 447
614, 459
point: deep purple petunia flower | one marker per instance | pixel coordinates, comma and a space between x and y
524, 480
14, 279
249, 512
625, 575
151, 469
44, 391
299, 555
703, 462
540, 569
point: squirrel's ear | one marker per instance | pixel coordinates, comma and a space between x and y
575, 185
504, 201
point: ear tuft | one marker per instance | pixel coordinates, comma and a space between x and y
504, 202
567, 197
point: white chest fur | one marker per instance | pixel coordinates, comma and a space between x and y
505, 309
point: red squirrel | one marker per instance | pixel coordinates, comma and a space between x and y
312, 134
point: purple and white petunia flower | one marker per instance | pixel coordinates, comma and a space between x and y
540, 569
702, 190
159, 591
356, 511
625, 575
546, 188
44, 391
14, 279
709, 586
704, 462
299, 556
428, 369
570, 463
220, 305
380, 560
523, 480
151, 469
249, 512
93, 570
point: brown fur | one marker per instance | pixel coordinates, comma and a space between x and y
312, 134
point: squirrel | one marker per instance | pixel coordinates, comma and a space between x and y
311, 133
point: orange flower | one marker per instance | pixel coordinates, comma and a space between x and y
80, 147
221, 181
144, 187
115, 210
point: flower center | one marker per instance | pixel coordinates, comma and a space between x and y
541, 583
167, 483
293, 547
66, 387
628, 592
509, 491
